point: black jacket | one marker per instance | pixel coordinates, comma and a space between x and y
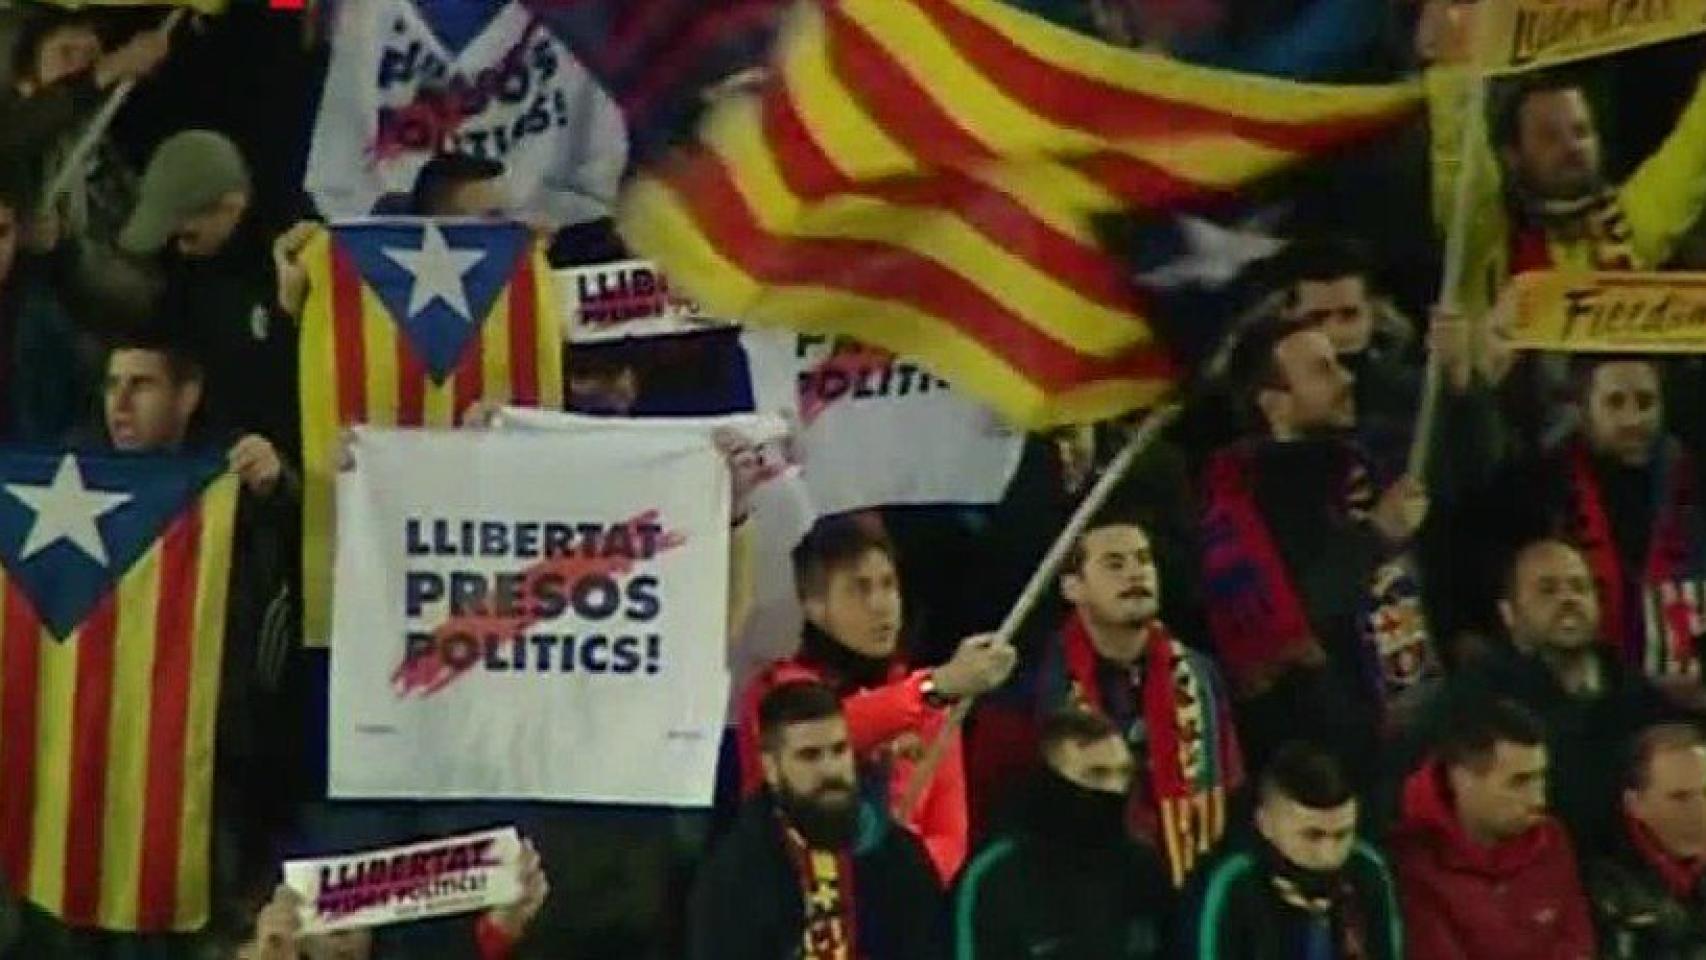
1637, 915
1238, 913
747, 903
1048, 887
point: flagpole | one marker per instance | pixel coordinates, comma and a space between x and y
1456, 246
1041, 580
97, 127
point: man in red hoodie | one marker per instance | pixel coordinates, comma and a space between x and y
849, 589
1483, 871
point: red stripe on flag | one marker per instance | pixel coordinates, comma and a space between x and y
901, 276
91, 721
174, 643
1143, 183
1081, 101
470, 376
19, 690
411, 382
350, 350
524, 333
994, 214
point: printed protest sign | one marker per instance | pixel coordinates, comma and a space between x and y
409, 81
879, 430
1576, 312
625, 299
418, 881
1531, 34
531, 616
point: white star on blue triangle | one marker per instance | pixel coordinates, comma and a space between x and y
71, 525
437, 280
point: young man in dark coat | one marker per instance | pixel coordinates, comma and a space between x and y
807, 872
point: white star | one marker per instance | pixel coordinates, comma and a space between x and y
1214, 255
66, 510
437, 270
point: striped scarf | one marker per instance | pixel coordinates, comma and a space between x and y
1193, 756
826, 889
1597, 221
1659, 635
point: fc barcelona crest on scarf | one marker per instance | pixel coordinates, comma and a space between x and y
1396, 629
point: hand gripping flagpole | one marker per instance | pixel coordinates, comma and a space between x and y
1041, 579
1469, 161
97, 127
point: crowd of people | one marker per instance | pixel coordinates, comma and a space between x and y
1297, 692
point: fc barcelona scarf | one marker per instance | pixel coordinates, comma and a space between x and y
1255, 614
1193, 755
826, 889
1659, 634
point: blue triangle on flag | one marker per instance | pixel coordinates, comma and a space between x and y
71, 525
437, 279
457, 22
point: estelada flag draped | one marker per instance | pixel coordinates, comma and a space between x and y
925, 176
408, 322
113, 581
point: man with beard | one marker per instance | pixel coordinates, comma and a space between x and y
848, 586
1306, 889
1116, 657
1294, 532
1648, 888
1545, 202
1556, 665
808, 871
1063, 880
1483, 871
1627, 494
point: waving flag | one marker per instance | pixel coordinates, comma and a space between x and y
927, 176
409, 322
112, 618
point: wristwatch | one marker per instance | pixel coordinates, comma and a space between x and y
933, 696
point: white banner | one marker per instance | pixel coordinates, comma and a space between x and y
781, 512
396, 94
876, 430
625, 298
530, 616
436, 878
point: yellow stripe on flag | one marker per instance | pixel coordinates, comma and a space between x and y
56, 696
127, 746
218, 521
494, 358
380, 336
549, 330
317, 377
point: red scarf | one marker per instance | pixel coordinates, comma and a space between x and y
1193, 755
826, 890
1257, 618
1659, 638
1680, 877
1602, 225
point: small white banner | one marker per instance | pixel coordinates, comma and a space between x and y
530, 615
435, 878
625, 298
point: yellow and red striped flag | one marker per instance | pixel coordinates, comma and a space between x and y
409, 322
924, 176
113, 578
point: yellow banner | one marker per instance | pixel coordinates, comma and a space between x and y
1610, 312
1528, 34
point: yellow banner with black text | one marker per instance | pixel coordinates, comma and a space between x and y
1522, 35
1582, 312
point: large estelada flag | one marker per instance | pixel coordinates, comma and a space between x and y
113, 578
927, 176
408, 322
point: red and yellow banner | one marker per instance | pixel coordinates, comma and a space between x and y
925, 176
360, 366
107, 734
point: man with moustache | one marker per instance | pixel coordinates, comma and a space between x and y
1482, 870
1294, 531
1648, 888
848, 584
808, 871
1115, 656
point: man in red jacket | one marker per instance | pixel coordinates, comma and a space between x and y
846, 578
1483, 871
